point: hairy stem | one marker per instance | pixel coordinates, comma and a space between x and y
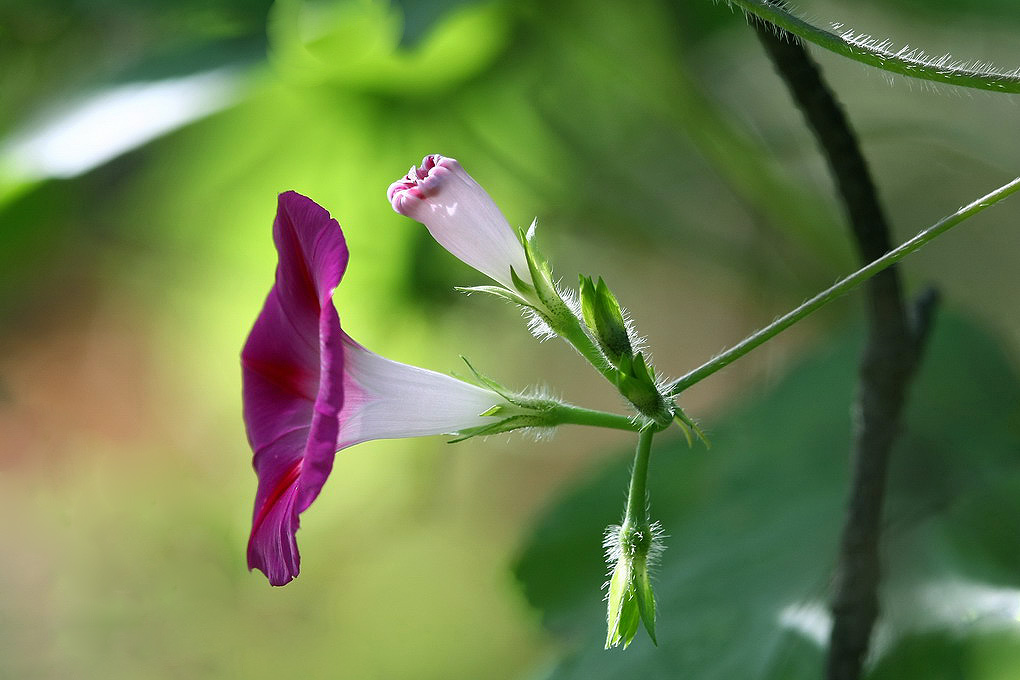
637, 497
566, 414
880, 54
841, 287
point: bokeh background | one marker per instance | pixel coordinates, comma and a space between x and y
142, 146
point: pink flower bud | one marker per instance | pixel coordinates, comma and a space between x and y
461, 217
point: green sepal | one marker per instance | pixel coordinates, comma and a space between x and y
535, 404
619, 586
645, 597
488, 383
642, 371
555, 310
519, 283
687, 425
498, 291
685, 430
506, 425
587, 290
629, 619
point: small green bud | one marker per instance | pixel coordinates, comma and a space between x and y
630, 599
636, 381
603, 316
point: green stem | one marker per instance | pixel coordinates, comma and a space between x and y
567, 414
843, 286
637, 498
880, 54
573, 333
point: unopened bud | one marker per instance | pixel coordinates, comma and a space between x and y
630, 598
603, 316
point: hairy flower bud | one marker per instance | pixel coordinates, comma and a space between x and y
631, 551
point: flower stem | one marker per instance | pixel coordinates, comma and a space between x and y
573, 333
880, 54
637, 497
567, 414
845, 285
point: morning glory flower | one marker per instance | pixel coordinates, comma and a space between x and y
310, 390
462, 217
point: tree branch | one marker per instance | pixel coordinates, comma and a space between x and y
887, 365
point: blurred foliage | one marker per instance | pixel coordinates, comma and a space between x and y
658, 150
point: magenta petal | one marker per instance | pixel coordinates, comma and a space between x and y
292, 376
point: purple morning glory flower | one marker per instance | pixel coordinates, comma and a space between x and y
462, 217
310, 390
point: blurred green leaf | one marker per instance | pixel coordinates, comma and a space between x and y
941, 655
963, 9
357, 43
753, 525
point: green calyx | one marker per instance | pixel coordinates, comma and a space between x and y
508, 424
497, 291
517, 410
513, 411
513, 399
636, 381
549, 301
631, 598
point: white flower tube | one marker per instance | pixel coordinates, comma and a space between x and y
462, 217
385, 399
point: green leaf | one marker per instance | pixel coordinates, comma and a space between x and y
754, 530
944, 655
